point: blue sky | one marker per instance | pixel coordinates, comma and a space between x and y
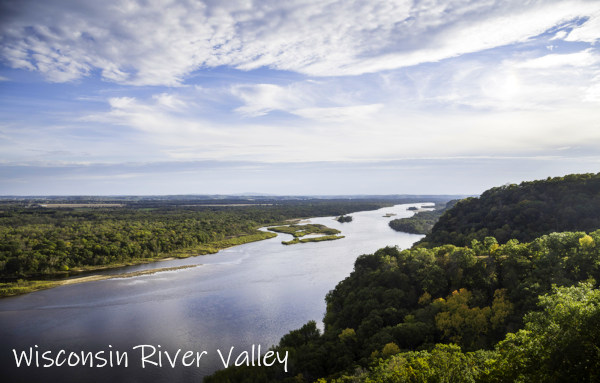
295, 97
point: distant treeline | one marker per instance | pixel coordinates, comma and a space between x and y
37, 241
423, 221
178, 200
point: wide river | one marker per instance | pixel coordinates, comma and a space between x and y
242, 296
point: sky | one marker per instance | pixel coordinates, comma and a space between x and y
298, 97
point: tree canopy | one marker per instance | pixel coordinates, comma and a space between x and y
523, 212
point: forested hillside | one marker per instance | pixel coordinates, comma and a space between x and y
461, 308
478, 310
522, 212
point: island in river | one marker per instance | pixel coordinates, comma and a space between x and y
344, 218
299, 231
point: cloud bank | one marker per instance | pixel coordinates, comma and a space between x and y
162, 42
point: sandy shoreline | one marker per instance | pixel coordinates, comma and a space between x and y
28, 286
99, 277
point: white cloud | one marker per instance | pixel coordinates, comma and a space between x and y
156, 117
592, 93
497, 103
153, 43
588, 31
340, 113
170, 101
522, 81
263, 98
312, 100
580, 59
369, 133
560, 35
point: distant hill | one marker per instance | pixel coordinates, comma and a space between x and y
523, 212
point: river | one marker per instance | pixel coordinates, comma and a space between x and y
242, 296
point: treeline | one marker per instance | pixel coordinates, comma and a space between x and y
522, 212
344, 218
423, 221
44, 241
455, 312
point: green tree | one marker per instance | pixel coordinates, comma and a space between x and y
561, 343
459, 322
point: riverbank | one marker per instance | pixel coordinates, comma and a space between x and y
313, 239
25, 286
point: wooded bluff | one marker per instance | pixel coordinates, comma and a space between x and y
524, 212
481, 311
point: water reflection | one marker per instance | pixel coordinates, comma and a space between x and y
250, 294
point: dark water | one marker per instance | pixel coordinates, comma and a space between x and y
243, 296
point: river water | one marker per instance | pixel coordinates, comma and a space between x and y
242, 296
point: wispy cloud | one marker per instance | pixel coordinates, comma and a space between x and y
341, 113
412, 86
150, 43
586, 58
368, 132
310, 100
261, 99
